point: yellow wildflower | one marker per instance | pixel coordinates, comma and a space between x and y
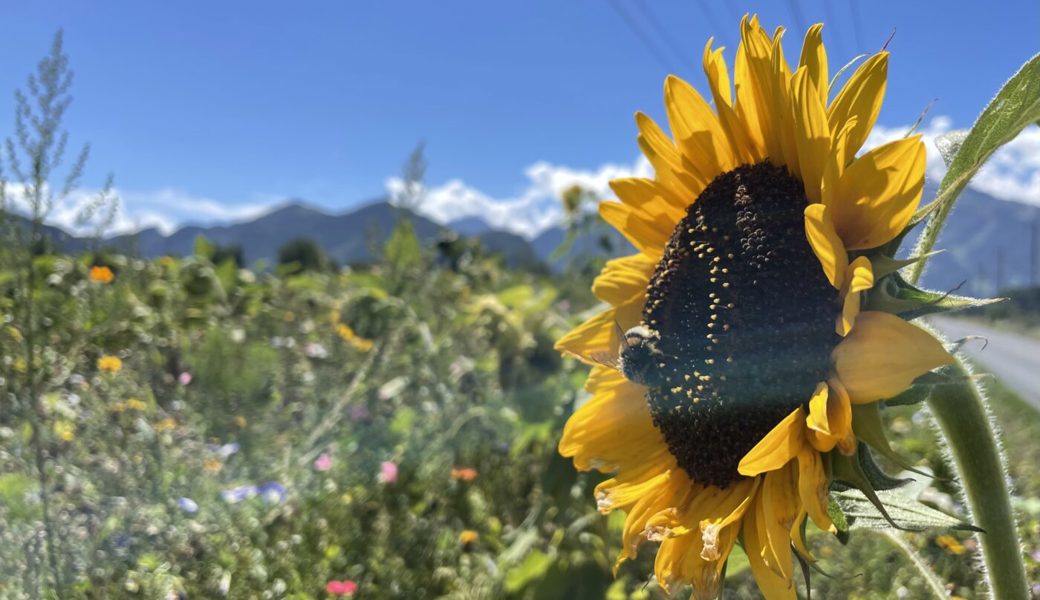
135, 404
468, 537
166, 424
348, 335
109, 363
212, 465
950, 544
65, 430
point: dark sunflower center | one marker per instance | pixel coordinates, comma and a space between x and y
741, 319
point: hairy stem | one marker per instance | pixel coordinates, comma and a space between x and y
936, 586
961, 412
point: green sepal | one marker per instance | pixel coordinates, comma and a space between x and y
879, 479
869, 429
895, 295
838, 518
848, 471
883, 264
915, 394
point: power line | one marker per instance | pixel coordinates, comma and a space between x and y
857, 26
796, 13
644, 38
676, 49
717, 29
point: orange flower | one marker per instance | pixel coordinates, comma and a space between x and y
101, 274
468, 537
464, 474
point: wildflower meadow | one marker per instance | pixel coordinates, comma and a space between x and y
196, 426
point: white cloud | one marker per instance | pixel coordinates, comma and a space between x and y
1012, 173
165, 209
536, 208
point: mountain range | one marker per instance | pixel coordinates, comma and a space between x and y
987, 241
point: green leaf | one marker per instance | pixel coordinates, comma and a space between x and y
204, 247
904, 512
896, 295
531, 569
1016, 106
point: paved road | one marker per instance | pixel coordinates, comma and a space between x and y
1012, 358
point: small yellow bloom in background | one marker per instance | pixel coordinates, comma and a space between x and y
289, 316
464, 474
135, 404
118, 407
167, 424
353, 339
950, 544
15, 333
101, 274
468, 537
65, 430
212, 465
109, 364
167, 261
240, 422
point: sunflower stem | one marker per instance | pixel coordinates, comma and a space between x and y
962, 414
929, 576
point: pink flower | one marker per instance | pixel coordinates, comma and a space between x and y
323, 462
184, 378
341, 588
387, 472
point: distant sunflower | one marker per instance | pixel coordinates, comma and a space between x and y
744, 345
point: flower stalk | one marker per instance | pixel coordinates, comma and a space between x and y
963, 417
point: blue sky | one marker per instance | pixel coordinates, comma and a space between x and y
242, 104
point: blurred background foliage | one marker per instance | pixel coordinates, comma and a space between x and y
189, 428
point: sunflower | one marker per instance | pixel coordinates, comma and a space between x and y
747, 334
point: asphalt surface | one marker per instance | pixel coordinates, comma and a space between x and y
1013, 359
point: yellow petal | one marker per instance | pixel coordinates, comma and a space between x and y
668, 163
624, 280
648, 235
655, 199
861, 98
817, 419
777, 448
718, 79
614, 431
780, 505
812, 488
814, 59
830, 251
598, 334
830, 416
812, 133
785, 128
696, 129
883, 354
752, 77
646, 504
772, 585
878, 193
859, 278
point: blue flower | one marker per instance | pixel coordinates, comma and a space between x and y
187, 505
272, 492
238, 494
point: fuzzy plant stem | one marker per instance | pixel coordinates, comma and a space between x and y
926, 573
961, 413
